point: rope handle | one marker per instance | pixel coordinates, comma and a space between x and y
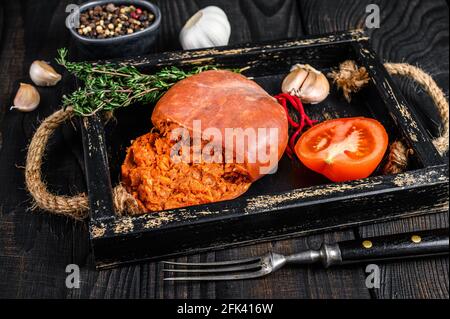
433, 90
77, 206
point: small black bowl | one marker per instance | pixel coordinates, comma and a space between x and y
137, 43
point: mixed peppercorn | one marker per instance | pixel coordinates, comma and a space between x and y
109, 21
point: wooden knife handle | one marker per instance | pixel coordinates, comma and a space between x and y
400, 246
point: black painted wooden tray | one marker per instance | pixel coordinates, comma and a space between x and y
291, 202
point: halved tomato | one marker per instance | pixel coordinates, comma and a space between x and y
343, 149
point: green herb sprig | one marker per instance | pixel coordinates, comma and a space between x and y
110, 86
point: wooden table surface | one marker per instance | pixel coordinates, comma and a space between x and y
35, 247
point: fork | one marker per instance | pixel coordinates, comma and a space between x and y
407, 245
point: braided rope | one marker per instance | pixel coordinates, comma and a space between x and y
427, 82
76, 206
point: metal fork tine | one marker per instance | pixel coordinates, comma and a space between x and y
213, 264
211, 270
238, 276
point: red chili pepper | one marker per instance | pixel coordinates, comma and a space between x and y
303, 118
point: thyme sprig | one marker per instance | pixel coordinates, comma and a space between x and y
111, 86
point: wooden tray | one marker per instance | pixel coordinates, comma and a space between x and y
291, 202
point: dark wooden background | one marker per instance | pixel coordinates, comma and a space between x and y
36, 247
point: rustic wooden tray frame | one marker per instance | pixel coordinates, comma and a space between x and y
124, 239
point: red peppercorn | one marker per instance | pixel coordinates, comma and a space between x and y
133, 15
138, 11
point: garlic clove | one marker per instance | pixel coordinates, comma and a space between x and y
208, 27
27, 98
42, 74
307, 83
315, 89
293, 81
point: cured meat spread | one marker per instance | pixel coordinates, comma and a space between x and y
221, 100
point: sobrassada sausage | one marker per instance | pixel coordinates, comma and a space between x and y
222, 100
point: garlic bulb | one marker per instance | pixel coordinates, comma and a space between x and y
42, 74
27, 98
209, 27
309, 84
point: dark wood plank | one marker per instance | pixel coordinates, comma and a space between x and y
415, 32
422, 278
150, 283
2, 21
145, 280
250, 20
36, 247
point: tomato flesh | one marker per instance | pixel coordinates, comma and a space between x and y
343, 149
